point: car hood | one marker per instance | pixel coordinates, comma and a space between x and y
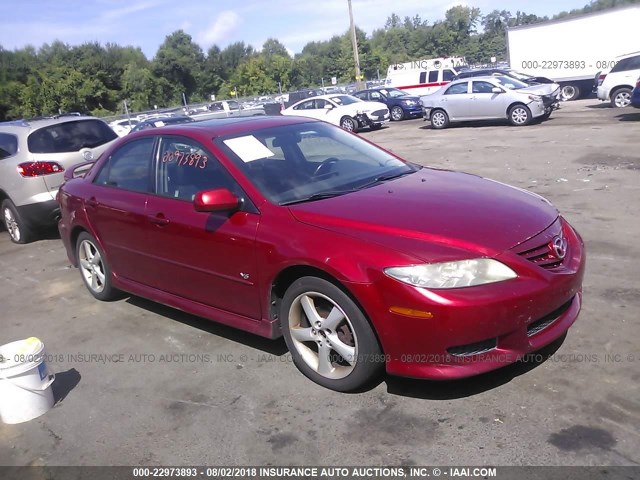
541, 89
434, 211
367, 107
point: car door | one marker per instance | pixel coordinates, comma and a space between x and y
308, 108
485, 103
204, 257
116, 208
456, 100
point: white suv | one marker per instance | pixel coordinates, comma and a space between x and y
617, 84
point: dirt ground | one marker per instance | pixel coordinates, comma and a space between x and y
188, 391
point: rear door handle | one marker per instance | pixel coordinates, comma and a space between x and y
158, 219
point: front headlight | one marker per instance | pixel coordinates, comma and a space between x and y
459, 274
409, 102
535, 98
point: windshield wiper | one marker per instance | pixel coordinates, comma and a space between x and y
384, 178
318, 196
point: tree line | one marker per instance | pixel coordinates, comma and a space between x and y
96, 79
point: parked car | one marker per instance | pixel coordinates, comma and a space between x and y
635, 95
616, 84
401, 105
33, 157
489, 98
523, 77
346, 111
123, 126
284, 226
161, 122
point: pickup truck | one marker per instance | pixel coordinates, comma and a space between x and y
228, 108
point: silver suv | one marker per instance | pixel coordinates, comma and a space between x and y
33, 157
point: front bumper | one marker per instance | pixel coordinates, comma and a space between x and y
378, 117
478, 329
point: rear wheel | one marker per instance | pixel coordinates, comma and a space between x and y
569, 92
329, 338
349, 124
439, 119
94, 270
621, 97
397, 113
19, 231
519, 115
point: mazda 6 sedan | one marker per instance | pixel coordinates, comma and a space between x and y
285, 226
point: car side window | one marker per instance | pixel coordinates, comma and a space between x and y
129, 166
433, 76
626, 64
423, 77
457, 89
308, 105
184, 168
362, 95
447, 75
481, 87
376, 96
320, 103
634, 63
8, 145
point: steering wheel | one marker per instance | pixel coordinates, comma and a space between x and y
326, 166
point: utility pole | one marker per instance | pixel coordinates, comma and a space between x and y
354, 42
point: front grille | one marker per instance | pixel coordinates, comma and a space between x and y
542, 256
547, 320
473, 348
379, 113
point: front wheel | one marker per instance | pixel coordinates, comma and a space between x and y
19, 231
397, 113
519, 115
349, 124
329, 338
621, 98
94, 269
439, 119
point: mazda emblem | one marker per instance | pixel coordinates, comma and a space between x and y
559, 246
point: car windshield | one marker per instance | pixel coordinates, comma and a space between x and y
519, 75
308, 161
510, 82
344, 99
393, 92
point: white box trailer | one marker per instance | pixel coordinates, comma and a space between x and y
572, 51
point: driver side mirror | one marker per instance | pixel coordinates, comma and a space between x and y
218, 200
497, 90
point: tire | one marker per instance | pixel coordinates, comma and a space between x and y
546, 115
94, 270
397, 113
19, 231
349, 124
519, 115
439, 119
338, 325
621, 97
569, 92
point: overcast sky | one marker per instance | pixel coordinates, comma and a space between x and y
145, 23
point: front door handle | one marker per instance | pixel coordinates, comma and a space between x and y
92, 202
159, 219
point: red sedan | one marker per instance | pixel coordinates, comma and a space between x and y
362, 261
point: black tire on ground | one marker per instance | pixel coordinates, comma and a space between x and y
519, 115
546, 115
19, 231
397, 113
334, 345
621, 97
569, 92
94, 269
439, 119
349, 124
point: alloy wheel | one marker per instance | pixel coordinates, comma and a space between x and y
519, 116
12, 225
622, 99
92, 266
323, 335
438, 119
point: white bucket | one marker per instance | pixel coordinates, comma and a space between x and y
25, 382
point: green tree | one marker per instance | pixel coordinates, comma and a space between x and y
179, 60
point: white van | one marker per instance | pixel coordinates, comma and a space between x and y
423, 77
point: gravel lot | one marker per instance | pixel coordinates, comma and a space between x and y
188, 391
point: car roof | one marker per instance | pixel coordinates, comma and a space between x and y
218, 127
29, 125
